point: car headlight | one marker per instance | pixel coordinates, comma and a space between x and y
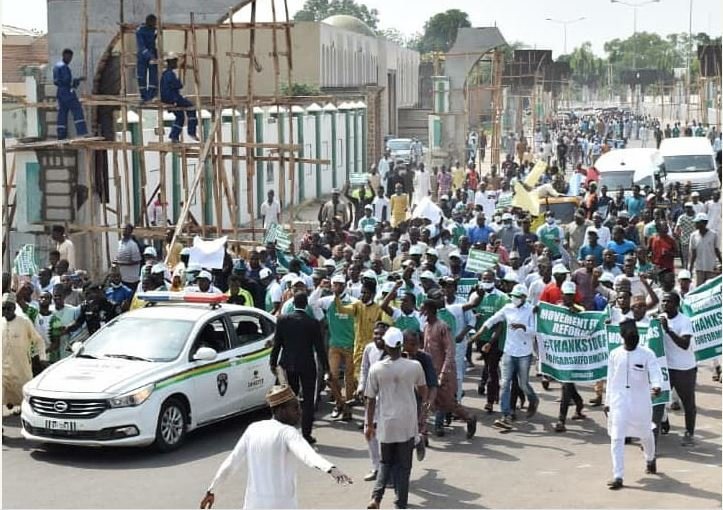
132, 398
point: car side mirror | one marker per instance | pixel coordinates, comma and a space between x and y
205, 354
75, 347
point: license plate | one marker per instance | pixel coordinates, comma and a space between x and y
65, 425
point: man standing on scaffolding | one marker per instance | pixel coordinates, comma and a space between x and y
171, 94
147, 66
67, 98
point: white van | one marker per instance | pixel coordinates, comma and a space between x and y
690, 159
621, 168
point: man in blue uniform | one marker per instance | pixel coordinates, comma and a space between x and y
67, 99
147, 67
171, 94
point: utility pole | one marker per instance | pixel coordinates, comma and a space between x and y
687, 62
564, 23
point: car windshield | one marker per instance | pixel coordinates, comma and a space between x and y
140, 338
701, 163
615, 180
399, 145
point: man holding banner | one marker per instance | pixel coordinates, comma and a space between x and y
633, 375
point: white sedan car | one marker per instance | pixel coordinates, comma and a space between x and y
152, 375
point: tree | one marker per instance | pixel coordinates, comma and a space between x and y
440, 31
317, 10
587, 69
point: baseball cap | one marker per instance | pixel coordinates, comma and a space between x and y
369, 206
204, 274
695, 194
701, 216
455, 254
506, 216
592, 230
688, 204
393, 338
407, 263
296, 281
281, 270
150, 250
330, 263
560, 269
518, 290
369, 274
432, 251
511, 276
158, 268
264, 273
186, 251
607, 277
427, 275
338, 278
684, 274
623, 214
415, 249
568, 288
444, 197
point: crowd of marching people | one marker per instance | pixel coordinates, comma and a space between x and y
384, 274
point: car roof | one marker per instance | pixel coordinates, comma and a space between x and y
627, 160
190, 311
686, 146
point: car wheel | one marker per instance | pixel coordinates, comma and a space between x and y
171, 427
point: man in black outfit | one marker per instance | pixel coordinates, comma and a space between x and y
298, 336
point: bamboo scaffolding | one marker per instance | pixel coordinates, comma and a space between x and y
209, 156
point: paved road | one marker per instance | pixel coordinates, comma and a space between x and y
529, 467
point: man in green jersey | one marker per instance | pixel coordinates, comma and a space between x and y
341, 340
490, 341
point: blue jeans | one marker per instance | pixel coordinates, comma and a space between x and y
519, 367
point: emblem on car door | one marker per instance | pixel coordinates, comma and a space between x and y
222, 383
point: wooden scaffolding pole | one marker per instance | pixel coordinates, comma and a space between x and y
289, 64
250, 156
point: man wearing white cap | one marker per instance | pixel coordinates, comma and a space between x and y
19, 337
713, 210
685, 283
520, 326
341, 340
698, 206
203, 284
391, 385
269, 449
684, 227
633, 374
704, 250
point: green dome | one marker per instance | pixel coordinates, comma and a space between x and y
349, 23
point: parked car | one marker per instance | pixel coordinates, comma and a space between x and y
401, 149
153, 374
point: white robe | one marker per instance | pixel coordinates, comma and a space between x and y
270, 450
19, 336
631, 375
421, 186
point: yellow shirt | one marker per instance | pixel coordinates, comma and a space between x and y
399, 205
458, 177
365, 316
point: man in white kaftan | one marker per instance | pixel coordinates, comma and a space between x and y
268, 449
633, 374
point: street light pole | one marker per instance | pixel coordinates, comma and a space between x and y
687, 63
564, 23
635, 6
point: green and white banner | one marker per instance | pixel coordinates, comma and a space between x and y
573, 346
277, 234
479, 261
703, 306
465, 286
651, 337
24, 264
357, 179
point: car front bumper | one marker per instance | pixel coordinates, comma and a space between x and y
126, 426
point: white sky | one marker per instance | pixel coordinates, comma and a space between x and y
522, 20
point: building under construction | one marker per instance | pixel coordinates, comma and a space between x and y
254, 136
